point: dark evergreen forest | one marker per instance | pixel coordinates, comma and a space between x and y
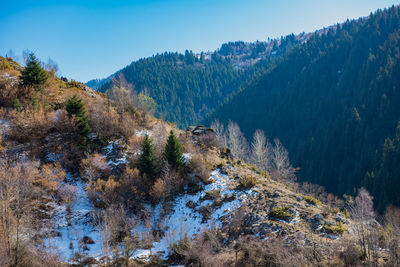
335, 103
186, 87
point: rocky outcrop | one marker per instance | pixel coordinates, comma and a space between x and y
199, 130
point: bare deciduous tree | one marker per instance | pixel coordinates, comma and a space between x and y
362, 212
392, 223
280, 161
220, 132
236, 141
51, 66
260, 151
121, 97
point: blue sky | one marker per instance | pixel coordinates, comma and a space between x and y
92, 39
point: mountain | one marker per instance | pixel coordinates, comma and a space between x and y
333, 101
85, 181
97, 83
186, 87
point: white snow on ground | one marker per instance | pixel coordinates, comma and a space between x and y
57, 115
184, 220
181, 220
74, 225
11, 79
4, 126
115, 153
187, 157
143, 132
52, 157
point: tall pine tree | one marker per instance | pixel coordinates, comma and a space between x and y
147, 160
33, 74
173, 151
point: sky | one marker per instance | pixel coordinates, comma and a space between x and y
95, 38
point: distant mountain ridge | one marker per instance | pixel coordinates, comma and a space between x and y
189, 86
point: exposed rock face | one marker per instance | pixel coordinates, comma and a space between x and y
316, 222
199, 130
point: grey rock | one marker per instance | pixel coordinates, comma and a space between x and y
276, 194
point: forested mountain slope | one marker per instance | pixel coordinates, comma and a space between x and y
87, 180
187, 87
333, 101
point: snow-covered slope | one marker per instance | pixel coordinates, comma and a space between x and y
186, 218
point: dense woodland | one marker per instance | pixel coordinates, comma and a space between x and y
188, 87
334, 102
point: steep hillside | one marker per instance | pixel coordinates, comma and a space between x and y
187, 87
91, 181
332, 101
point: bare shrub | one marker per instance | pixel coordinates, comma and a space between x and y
93, 167
19, 199
50, 178
174, 182
103, 121
273, 252
127, 189
159, 190
30, 126
210, 139
200, 167
351, 255
8, 92
197, 252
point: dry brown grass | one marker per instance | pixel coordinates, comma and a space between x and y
29, 125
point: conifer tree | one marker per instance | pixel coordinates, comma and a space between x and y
147, 160
173, 151
17, 105
35, 103
76, 108
33, 74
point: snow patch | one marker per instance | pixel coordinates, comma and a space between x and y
74, 224
116, 153
143, 132
4, 126
186, 157
185, 220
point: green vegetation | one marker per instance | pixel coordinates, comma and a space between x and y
17, 105
147, 160
76, 109
173, 151
333, 102
281, 213
337, 229
35, 102
33, 74
247, 182
212, 194
146, 103
187, 87
312, 200
346, 214
5, 64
